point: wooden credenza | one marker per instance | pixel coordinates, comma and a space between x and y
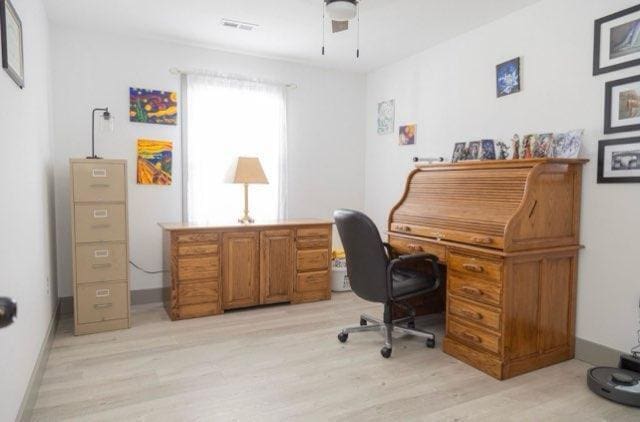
214, 268
99, 245
508, 233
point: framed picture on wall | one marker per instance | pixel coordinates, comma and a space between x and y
616, 43
619, 161
11, 40
508, 77
622, 105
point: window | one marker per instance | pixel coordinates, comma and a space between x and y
225, 119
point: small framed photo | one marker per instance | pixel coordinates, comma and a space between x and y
528, 143
473, 151
616, 44
622, 105
542, 145
407, 135
567, 144
488, 149
619, 161
503, 151
459, 152
508, 77
11, 39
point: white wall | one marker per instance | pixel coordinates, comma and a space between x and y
26, 210
449, 91
325, 131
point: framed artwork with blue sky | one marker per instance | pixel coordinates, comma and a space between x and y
508, 77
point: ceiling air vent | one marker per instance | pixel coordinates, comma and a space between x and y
245, 26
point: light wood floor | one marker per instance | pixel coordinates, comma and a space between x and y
285, 363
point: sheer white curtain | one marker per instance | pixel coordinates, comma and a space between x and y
224, 119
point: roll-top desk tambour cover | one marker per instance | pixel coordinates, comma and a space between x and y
99, 245
509, 234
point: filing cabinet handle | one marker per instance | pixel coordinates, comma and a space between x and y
471, 337
98, 266
100, 185
472, 291
100, 226
473, 268
102, 305
482, 240
473, 315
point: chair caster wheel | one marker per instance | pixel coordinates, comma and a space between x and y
343, 337
363, 322
385, 352
431, 343
411, 325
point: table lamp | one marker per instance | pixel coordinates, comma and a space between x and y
106, 125
246, 170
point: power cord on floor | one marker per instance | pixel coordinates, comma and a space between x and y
147, 271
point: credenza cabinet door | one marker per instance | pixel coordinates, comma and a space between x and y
276, 265
240, 269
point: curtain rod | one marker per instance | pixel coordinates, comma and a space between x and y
176, 71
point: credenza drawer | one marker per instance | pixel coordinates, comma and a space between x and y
100, 223
197, 237
198, 310
206, 267
198, 292
197, 249
476, 267
101, 262
474, 288
98, 182
310, 260
101, 302
309, 282
312, 243
314, 232
476, 314
404, 246
474, 336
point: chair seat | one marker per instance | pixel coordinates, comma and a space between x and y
406, 282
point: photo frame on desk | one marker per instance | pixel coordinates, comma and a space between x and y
619, 161
11, 42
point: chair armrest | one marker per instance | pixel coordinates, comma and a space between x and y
387, 246
403, 259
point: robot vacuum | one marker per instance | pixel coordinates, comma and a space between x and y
621, 385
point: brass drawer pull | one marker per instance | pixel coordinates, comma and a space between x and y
471, 337
482, 240
473, 268
102, 305
472, 291
472, 315
99, 266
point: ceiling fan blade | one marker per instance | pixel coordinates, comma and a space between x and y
339, 26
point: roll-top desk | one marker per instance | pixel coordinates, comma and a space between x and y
213, 268
508, 232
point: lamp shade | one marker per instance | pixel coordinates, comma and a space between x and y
246, 170
342, 10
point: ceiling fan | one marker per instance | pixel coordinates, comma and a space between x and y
341, 13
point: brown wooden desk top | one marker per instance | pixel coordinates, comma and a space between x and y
236, 225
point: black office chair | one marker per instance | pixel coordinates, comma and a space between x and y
377, 276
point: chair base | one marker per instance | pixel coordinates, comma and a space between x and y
403, 325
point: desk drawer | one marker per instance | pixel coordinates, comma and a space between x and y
475, 267
100, 223
101, 262
474, 288
404, 246
314, 232
473, 336
198, 268
198, 292
101, 302
310, 282
98, 182
197, 249
468, 311
317, 259
197, 237
312, 243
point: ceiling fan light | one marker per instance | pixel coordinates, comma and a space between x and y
341, 10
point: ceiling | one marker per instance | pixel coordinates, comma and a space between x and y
289, 29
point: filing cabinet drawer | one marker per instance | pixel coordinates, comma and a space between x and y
206, 267
474, 288
101, 262
101, 302
474, 336
100, 223
476, 267
309, 282
98, 182
410, 246
197, 237
197, 249
311, 260
314, 232
476, 314
198, 292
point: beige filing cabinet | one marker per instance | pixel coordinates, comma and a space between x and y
99, 245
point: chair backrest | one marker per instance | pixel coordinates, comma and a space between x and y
367, 260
